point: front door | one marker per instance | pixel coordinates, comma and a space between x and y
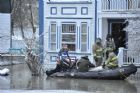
119, 35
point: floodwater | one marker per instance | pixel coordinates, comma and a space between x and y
20, 79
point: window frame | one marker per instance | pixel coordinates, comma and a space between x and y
52, 10
50, 36
84, 9
87, 38
75, 33
77, 40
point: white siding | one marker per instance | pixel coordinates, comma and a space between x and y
4, 32
47, 10
69, 17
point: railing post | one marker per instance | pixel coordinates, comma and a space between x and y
120, 56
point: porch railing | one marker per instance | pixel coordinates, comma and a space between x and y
120, 5
126, 57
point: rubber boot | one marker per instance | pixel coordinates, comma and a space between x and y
57, 69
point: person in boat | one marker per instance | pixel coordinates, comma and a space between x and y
63, 61
111, 62
109, 45
63, 56
97, 50
84, 64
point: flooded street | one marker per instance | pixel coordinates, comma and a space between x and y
20, 79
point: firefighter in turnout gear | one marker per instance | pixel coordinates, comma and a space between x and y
112, 61
84, 64
109, 45
97, 50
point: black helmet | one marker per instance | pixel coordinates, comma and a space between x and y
98, 40
85, 57
108, 36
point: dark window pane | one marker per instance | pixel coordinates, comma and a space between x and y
5, 6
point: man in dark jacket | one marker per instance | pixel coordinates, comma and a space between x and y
63, 61
84, 64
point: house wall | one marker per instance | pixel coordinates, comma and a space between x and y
118, 9
71, 12
68, 12
4, 32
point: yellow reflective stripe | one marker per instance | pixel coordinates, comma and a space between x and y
99, 49
98, 56
112, 64
113, 59
109, 49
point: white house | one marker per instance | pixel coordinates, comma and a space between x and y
68, 22
78, 22
111, 18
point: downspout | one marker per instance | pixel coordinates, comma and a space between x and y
41, 31
11, 23
95, 19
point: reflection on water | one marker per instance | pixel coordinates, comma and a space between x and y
103, 86
20, 78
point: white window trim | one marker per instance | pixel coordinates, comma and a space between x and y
88, 36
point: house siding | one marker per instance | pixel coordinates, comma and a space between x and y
4, 32
94, 12
68, 13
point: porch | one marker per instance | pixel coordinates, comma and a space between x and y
119, 5
126, 57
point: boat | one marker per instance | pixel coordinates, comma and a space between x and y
119, 73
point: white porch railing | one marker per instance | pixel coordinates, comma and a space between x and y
120, 5
126, 57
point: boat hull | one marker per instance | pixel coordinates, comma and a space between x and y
120, 73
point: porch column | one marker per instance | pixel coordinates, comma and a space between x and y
99, 28
120, 56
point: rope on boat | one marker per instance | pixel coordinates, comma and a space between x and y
121, 72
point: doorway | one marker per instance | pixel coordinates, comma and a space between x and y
118, 34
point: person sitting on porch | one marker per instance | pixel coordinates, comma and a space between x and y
84, 64
111, 62
97, 50
109, 45
63, 61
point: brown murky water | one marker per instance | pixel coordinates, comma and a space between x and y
20, 78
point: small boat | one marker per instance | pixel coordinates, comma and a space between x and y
120, 73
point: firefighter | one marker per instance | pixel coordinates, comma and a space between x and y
109, 45
97, 50
112, 61
84, 64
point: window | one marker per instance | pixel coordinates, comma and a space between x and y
53, 36
69, 36
139, 4
84, 10
53, 10
68, 10
76, 37
130, 4
84, 37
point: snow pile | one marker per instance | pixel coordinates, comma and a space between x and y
4, 71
